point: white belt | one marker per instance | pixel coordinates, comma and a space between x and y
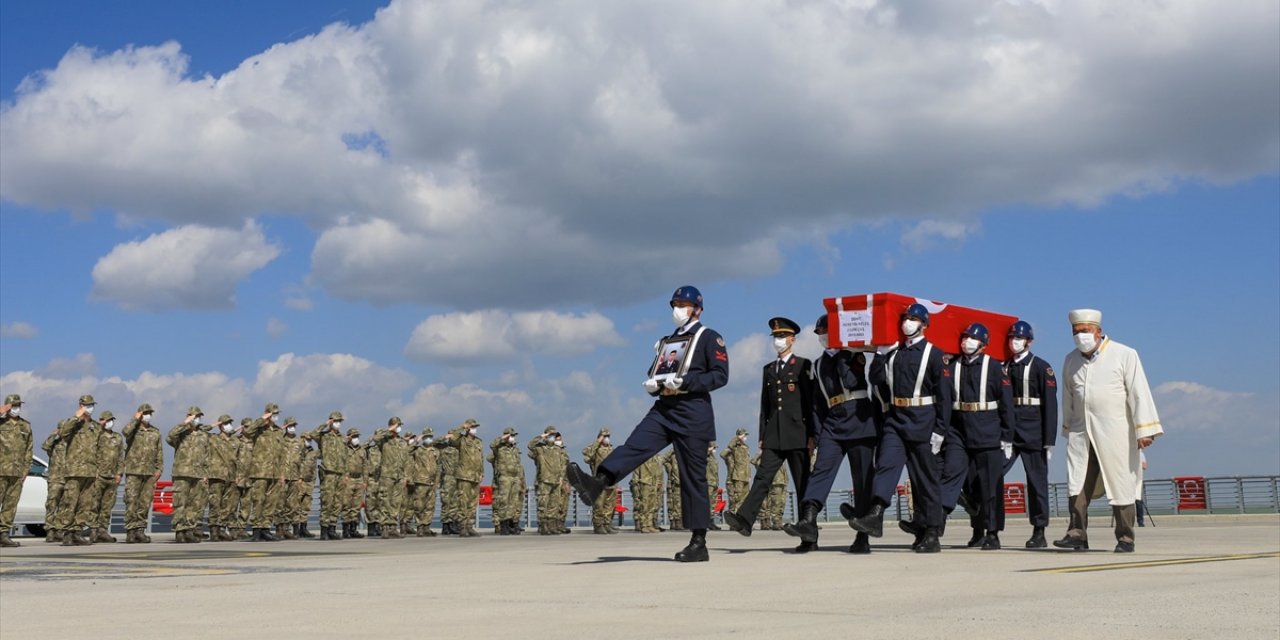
1027, 402
975, 406
860, 394
913, 402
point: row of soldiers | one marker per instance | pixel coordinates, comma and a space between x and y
254, 479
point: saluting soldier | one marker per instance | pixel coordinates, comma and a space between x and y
1035, 430
190, 457
916, 388
508, 483
15, 461
244, 481
393, 457
307, 483
675, 516
333, 451
602, 510
291, 469
449, 526
143, 464
737, 460
110, 469
356, 481
267, 472
470, 473
55, 449
76, 511
848, 421
787, 432
549, 462
424, 478
646, 492
221, 475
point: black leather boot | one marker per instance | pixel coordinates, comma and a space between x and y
355, 530
929, 542
861, 544
807, 527
991, 542
738, 523
871, 524
1037, 541
589, 487
696, 550
977, 539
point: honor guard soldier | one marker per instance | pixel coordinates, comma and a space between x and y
602, 510
787, 432
266, 473
1035, 428
848, 427
508, 483
15, 461
916, 389
354, 485
222, 474
81, 463
737, 460
333, 452
681, 416
190, 458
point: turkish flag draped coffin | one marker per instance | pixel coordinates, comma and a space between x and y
871, 320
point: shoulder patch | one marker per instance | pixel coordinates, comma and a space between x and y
720, 341
1048, 371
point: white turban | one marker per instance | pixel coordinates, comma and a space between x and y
1085, 316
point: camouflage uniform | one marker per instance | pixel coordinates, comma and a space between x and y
76, 508
602, 510
449, 511
110, 457
393, 459
190, 490
713, 483
737, 459
373, 496
508, 483
143, 464
55, 450
424, 478
776, 502
291, 470
266, 474
646, 492
333, 452
15, 461
552, 489
301, 515
673, 491
244, 483
355, 476
468, 476
221, 473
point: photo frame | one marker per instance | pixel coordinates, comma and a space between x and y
672, 358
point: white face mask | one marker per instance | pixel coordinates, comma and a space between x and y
910, 328
680, 315
471, 431
969, 346
355, 442
88, 409
429, 440
559, 443
780, 345
337, 425
1085, 342
743, 437
227, 428
146, 417
108, 424
606, 441
15, 411
275, 416
195, 420
290, 430
1018, 345
395, 429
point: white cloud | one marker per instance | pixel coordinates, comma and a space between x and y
187, 267
299, 303
1191, 406
82, 364
276, 327
925, 234
318, 383
21, 330
464, 337
546, 154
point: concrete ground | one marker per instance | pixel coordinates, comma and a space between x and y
1192, 577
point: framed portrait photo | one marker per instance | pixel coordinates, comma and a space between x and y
672, 358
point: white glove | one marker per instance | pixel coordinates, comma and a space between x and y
1048, 453
1007, 447
935, 443
673, 383
651, 385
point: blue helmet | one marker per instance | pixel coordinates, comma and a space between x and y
687, 293
979, 331
1021, 329
917, 310
821, 325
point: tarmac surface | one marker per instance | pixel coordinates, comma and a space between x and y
1191, 577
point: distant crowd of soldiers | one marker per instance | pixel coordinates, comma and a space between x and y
254, 479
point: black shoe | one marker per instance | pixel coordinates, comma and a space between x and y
1124, 547
589, 487
324, 532
911, 527
738, 523
806, 547
1037, 541
871, 524
915, 544
695, 551
267, 536
807, 527
304, 532
929, 543
1067, 542
715, 527
355, 530
375, 530
991, 542
978, 539
846, 510
861, 544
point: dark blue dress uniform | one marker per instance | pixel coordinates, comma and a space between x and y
916, 391
683, 419
786, 425
848, 420
983, 418
1035, 412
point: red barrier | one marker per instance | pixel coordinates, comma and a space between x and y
162, 499
486, 494
1015, 497
720, 503
617, 503
1192, 493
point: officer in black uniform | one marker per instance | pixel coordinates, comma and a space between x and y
848, 423
1035, 431
681, 416
916, 389
787, 431
983, 417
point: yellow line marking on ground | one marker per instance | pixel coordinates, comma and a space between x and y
1156, 563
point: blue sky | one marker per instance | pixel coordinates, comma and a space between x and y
207, 234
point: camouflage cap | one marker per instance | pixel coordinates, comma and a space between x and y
13, 399
224, 418
510, 431
86, 399
194, 411
272, 408
306, 437
394, 421
106, 415
290, 421
742, 432
471, 422
428, 433
145, 408
335, 415
549, 431
246, 422
603, 432
353, 432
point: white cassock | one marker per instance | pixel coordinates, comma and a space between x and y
1107, 404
